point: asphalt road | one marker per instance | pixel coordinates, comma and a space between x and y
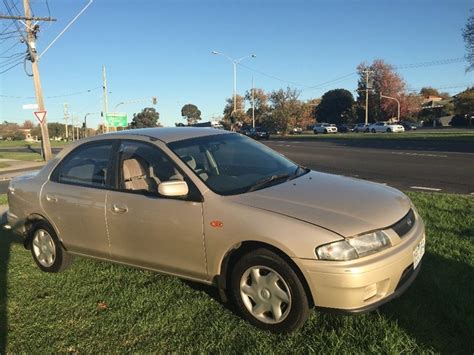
442, 166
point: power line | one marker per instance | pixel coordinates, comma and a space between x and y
13, 66
53, 96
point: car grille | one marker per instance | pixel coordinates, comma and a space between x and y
403, 226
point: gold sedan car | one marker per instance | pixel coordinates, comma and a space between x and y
219, 208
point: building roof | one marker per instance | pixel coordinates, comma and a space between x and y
172, 134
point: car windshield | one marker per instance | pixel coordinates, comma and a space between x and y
231, 164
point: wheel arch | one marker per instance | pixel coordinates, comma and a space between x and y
30, 221
242, 248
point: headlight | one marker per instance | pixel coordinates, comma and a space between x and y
353, 248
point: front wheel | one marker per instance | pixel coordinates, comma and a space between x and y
268, 293
373, 130
389, 130
46, 249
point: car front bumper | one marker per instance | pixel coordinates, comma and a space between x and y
364, 284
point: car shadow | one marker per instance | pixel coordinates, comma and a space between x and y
437, 309
7, 239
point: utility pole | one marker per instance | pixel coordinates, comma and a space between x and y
105, 99
253, 106
66, 117
367, 72
31, 43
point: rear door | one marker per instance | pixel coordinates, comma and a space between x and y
74, 198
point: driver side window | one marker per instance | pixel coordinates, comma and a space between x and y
143, 167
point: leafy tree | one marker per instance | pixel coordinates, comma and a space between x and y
468, 35
147, 118
308, 113
429, 91
56, 129
191, 113
335, 106
286, 109
239, 115
261, 104
28, 124
464, 102
383, 80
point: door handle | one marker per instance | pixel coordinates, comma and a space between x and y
51, 198
119, 208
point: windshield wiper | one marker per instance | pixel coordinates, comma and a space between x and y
268, 180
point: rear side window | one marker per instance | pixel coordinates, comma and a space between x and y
86, 166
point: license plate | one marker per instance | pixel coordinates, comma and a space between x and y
418, 252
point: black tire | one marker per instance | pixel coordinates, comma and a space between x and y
325, 131
389, 130
298, 308
373, 130
62, 259
315, 132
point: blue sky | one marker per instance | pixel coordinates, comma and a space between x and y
163, 48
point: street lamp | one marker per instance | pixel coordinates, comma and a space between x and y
234, 62
85, 121
398, 103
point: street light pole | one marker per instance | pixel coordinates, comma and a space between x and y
234, 62
398, 104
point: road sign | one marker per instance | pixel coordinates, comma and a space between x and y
116, 119
30, 107
40, 116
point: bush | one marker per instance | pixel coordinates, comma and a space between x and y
459, 121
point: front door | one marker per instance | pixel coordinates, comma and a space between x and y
146, 229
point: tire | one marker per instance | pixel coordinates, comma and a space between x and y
325, 131
46, 249
373, 130
286, 295
389, 130
315, 132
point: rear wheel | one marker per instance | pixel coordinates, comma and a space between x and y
268, 293
325, 131
389, 130
373, 130
46, 249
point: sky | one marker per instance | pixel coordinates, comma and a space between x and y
163, 48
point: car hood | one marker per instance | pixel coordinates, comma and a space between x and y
344, 205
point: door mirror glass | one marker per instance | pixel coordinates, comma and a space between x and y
173, 188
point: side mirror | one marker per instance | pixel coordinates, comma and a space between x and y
175, 188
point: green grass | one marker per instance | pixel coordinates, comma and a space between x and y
22, 143
3, 199
442, 135
4, 165
98, 307
27, 156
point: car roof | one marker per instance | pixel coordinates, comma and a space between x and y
169, 134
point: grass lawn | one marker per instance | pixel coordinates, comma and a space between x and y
15, 144
442, 135
4, 165
97, 307
27, 156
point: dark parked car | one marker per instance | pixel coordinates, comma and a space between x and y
345, 128
259, 133
409, 125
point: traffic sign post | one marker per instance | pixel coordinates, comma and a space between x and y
116, 119
40, 116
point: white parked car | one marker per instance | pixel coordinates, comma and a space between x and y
386, 127
324, 128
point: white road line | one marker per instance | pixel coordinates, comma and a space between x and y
424, 188
420, 154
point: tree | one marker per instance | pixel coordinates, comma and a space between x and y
191, 113
28, 124
335, 106
429, 91
308, 113
260, 99
464, 102
147, 118
286, 109
56, 129
468, 35
239, 114
383, 80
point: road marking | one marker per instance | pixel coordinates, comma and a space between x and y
420, 154
424, 188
